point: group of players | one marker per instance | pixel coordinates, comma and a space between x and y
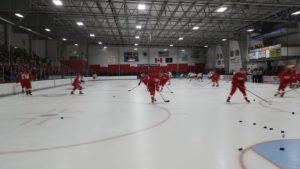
156, 81
25, 78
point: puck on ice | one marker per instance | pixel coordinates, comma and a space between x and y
240, 149
61, 117
254, 124
282, 149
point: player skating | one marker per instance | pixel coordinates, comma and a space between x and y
20, 79
144, 79
77, 84
163, 79
200, 76
153, 85
294, 80
170, 77
28, 77
192, 75
285, 78
215, 77
238, 81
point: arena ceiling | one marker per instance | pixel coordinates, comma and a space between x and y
163, 22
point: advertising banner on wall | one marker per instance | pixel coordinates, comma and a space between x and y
266, 52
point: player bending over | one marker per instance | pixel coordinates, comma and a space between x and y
77, 84
238, 81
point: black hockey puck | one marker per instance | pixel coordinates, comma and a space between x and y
282, 132
61, 117
254, 100
293, 112
282, 149
240, 149
271, 128
241, 121
254, 124
265, 127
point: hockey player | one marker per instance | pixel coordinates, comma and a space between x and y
294, 80
153, 85
285, 78
215, 77
20, 79
144, 79
163, 79
77, 84
238, 81
28, 77
200, 76
192, 75
170, 77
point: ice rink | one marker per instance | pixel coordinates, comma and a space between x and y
111, 128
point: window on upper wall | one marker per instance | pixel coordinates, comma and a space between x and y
232, 53
237, 52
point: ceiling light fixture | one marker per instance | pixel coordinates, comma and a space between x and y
141, 7
221, 9
296, 13
79, 23
57, 2
195, 27
19, 15
138, 26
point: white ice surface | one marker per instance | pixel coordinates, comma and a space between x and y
196, 130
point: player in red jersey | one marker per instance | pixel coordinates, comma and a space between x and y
163, 79
153, 85
20, 79
144, 79
215, 77
238, 81
294, 80
28, 77
77, 84
285, 78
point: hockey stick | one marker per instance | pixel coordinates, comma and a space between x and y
258, 96
167, 101
169, 89
291, 90
133, 88
206, 84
